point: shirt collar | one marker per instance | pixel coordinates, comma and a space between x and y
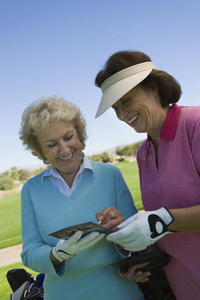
52, 171
169, 128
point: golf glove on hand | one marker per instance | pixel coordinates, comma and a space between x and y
142, 229
66, 249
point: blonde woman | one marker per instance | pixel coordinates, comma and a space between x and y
73, 190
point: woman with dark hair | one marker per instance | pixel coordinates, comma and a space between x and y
168, 161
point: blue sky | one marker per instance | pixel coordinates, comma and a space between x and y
56, 47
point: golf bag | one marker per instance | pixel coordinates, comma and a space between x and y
157, 288
24, 285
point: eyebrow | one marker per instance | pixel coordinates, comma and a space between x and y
71, 131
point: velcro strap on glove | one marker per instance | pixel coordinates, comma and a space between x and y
61, 255
157, 226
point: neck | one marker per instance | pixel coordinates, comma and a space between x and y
162, 117
69, 177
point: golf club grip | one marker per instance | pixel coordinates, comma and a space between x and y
155, 259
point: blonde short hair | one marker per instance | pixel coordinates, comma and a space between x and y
37, 116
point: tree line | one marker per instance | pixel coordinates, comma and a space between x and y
15, 177
119, 154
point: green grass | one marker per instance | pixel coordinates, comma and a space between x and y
131, 176
5, 289
10, 223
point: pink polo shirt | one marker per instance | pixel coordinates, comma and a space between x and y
175, 183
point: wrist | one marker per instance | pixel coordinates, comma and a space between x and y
122, 251
61, 255
166, 215
55, 255
159, 221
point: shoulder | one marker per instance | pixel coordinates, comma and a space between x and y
33, 181
104, 167
190, 119
190, 114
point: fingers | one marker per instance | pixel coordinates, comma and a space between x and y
133, 245
76, 243
129, 221
100, 217
122, 236
128, 239
74, 238
133, 274
89, 240
96, 240
110, 218
105, 215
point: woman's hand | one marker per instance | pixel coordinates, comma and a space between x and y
66, 249
133, 274
142, 229
109, 218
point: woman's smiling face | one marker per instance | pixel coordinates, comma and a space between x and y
141, 110
61, 146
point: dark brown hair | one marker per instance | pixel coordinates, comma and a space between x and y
168, 87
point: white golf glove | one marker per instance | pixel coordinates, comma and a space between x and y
66, 249
142, 229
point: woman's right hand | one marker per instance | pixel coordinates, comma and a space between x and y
109, 218
66, 249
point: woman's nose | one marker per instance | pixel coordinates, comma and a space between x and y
64, 147
121, 114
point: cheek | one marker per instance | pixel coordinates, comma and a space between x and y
50, 154
119, 116
77, 144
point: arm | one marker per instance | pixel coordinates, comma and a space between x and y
188, 219
185, 219
145, 228
35, 253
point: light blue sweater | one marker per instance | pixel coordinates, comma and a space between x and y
92, 274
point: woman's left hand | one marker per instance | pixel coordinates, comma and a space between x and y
109, 218
133, 274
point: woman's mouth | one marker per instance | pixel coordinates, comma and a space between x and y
67, 157
133, 119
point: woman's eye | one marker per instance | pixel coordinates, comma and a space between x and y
125, 101
67, 138
51, 145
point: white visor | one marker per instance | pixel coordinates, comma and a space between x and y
120, 83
